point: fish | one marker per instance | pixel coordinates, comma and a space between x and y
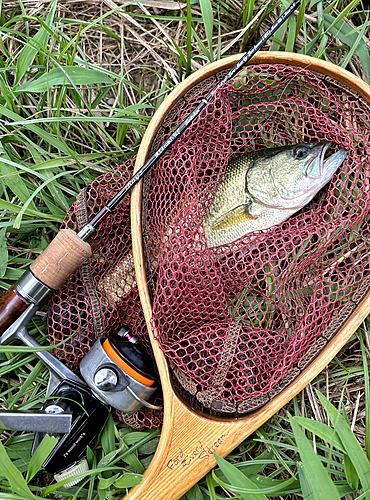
259, 190
264, 188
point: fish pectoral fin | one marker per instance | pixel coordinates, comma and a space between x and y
232, 218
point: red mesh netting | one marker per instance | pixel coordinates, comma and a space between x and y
238, 322
102, 295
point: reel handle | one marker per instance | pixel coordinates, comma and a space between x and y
65, 254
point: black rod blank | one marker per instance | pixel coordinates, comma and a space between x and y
90, 228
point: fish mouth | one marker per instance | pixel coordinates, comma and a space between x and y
321, 168
323, 163
316, 165
319, 172
332, 163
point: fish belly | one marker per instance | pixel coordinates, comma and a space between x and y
265, 217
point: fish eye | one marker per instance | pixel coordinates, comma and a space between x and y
301, 152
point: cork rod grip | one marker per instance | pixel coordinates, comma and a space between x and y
66, 253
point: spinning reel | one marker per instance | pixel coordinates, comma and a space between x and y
116, 373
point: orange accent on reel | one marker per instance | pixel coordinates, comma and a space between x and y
112, 353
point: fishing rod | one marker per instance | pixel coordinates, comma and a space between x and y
108, 380
89, 229
67, 252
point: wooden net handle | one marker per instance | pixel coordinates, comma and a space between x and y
188, 439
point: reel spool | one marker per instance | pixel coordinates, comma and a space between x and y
118, 371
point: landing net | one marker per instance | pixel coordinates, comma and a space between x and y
238, 323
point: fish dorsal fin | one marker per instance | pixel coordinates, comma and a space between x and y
233, 217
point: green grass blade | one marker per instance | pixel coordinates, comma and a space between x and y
3, 252
291, 35
10, 496
36, 371
321, 430
189, 24
17, 482
308, 49
128, 480
33, 46
73, 75
344, 489
353, 447
11, 207
218, 56
39, 131
134, 462
208, 20
367, 394
344, 32
6, 94
128, 456
18, 219
300, 17
265, 485
351, 474
211, 487
317, 476
10, 177
277, 39
106, 482
41, 454
330, 7
320, 52
305, 484
238, 479
119, 117
201, 45
108, 440
280, 34
343, 14
134, 437
194, 493
58, 197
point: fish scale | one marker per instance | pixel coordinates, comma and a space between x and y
264, 188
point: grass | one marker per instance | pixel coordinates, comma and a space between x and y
74, 103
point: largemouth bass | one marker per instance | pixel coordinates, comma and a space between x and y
259, 190
264, 188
